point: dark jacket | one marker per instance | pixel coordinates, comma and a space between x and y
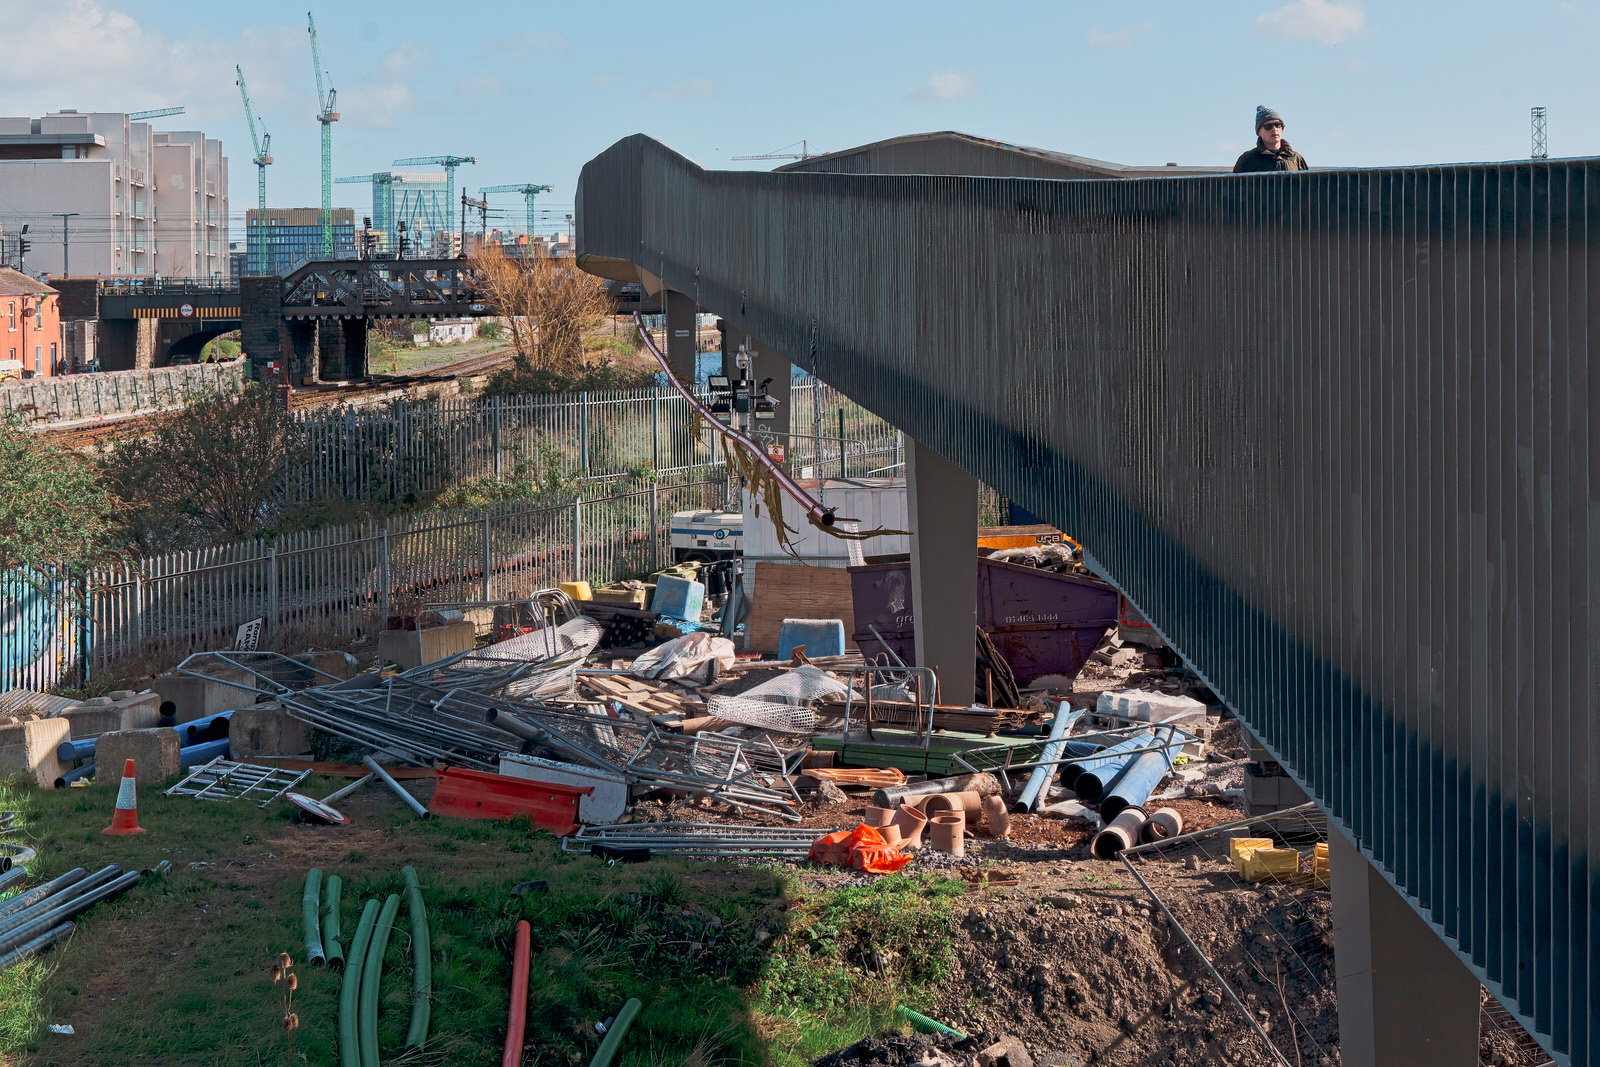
1261, 159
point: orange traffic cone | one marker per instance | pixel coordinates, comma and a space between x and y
126, 818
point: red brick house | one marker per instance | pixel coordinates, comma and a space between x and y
30, 324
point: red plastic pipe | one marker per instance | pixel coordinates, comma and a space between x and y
822, 516
512, 1057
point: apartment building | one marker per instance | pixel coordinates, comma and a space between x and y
138, 201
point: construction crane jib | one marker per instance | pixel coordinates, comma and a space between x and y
449, 163
327, 115
528, 193
263, 156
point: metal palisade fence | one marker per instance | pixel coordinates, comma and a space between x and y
422, 447
330, 584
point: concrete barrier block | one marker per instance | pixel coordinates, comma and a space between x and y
266, 730
198, 698
154, 752
123, 710
29, 749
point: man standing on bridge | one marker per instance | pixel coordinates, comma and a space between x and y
1272, 152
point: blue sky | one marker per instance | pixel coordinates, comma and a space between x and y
536, 89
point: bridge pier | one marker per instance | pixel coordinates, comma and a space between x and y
682, 334
1404, 996
127, 344
299, 349
330, 351
355, 346
943, 501
261, 328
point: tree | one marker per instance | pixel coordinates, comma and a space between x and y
212, 471
54, 516
547, 306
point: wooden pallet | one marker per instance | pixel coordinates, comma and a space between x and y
643, 697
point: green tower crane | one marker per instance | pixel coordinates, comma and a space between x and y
528, 193
382, 202
263, 156
159, 113
327, 116
449, 163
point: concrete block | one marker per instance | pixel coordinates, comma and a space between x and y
154, 752
198, 698
29, 749
412, 648
266, 730
123, 710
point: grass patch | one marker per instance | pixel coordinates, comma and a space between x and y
734, 964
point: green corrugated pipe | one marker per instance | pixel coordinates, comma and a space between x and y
371, 977
422, 962
925, 1024
608, 1047
310, 902
330, 921
349, 1034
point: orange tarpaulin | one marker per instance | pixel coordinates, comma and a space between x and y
862, 848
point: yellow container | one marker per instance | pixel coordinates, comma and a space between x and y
578, 590
1241, 847
1274, 863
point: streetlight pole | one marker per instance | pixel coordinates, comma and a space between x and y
64, 216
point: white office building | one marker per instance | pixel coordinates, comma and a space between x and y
140, 202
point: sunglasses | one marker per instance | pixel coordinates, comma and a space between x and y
1272, 125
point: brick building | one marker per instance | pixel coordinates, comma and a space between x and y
30, 324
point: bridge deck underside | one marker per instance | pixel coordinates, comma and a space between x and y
1330, 431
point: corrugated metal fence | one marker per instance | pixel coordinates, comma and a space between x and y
44, 401
330, 584
1333, 432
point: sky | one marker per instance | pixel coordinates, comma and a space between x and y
535, 89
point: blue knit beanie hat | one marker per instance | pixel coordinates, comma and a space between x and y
1265, 114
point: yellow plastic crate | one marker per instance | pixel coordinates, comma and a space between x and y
1241, 847
1271, 863
578, 590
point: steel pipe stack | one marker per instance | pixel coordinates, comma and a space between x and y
33, 920
1096, 774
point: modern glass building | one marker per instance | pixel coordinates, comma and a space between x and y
293, 236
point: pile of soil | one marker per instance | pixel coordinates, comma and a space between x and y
911, 1050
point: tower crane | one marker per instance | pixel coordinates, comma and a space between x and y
159, 113
382, 202
449, 163
327, 116
263, 156
805, 153
528, 193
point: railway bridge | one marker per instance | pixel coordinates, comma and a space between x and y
1330, 432
314, 322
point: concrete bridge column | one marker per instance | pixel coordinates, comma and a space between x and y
355, 347
682, 335
330, 351
118, 345
261, 300
943, 502
300, 349
1404, 996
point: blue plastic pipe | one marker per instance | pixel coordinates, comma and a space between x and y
1069, 771
73, 751
1028, 799
205, 752
1144, 773
1094, 775
210, 728
84, 771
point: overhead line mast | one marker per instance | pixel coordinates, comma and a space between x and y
327, 116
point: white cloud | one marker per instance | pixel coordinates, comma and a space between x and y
946, 85
1122, 38
695, 89
1324, 21
377, 103
405, 59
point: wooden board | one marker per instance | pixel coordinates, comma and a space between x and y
647, 698
792, 591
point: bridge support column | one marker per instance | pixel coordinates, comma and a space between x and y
118, 346
330, 351
943, 502
1404, 996
683, 336
300, 349
355, 347
261, 302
